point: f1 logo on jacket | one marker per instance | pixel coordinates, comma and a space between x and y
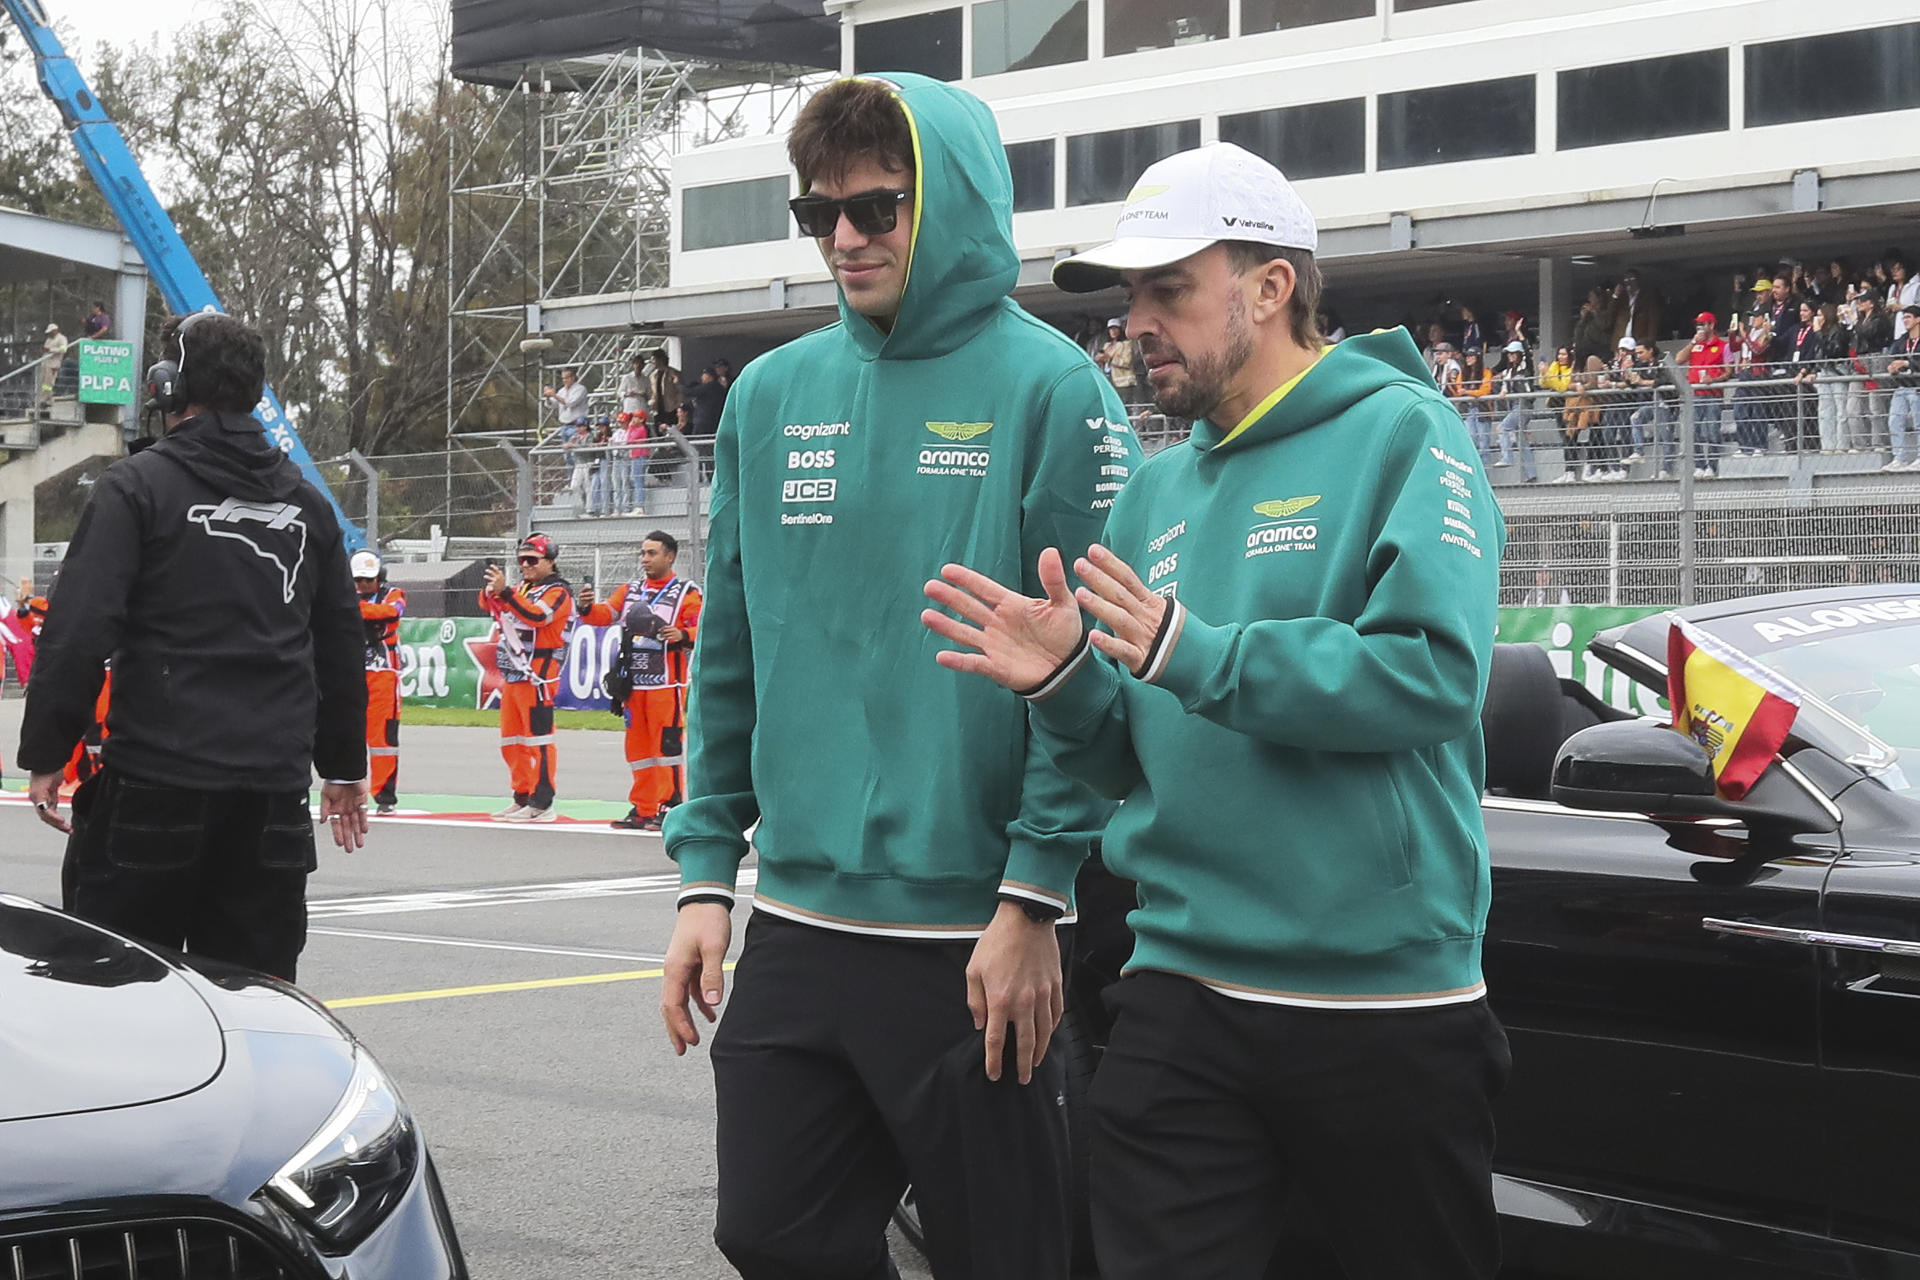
273, 530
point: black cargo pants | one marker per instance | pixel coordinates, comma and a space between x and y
846, 1066
218, 874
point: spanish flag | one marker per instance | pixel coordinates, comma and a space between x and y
1728, 703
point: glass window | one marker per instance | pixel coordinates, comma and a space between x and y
928, 43
1854, 73
1280, 15
1457, 122
1133, 25
734, 213
1633, 101
1032, 165
1104, 166
1012, 35
1316, 140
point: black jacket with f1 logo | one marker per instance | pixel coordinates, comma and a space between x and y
215, 577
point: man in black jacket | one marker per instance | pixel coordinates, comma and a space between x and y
215, 578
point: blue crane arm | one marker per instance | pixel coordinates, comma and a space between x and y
144, 220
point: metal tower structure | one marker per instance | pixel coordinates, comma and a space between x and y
564, 191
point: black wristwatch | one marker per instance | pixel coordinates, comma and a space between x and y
1038, 912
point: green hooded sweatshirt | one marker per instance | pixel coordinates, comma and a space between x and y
894, 796
1301, 760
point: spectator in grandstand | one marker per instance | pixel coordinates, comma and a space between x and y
1903, 413
1783, 310
1636, 311
1593, 330
1469, 391
1802, 361
632, 387
1436, 339
1748, 299
569, 399
663, 389
1707, 368
1647, 418
1516, 329
1751, 403
1579, 420
1444, 362
577, 442
1470, 336
53, 351
1867, 398
1832, 352
633, 432
1619, 437
1831, 285
1119, 359
600, 482
1514, 401
97, 323
701, 412
1903, 288
1557, 377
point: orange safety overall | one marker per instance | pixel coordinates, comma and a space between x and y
656, 709
533, 648
86, 756
380, 615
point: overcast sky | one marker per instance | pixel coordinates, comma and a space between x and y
120, 22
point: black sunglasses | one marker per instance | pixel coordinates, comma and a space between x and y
872, 213
529, 559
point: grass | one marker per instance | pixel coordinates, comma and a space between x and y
468, 717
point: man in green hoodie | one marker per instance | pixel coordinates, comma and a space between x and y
901, 975
1299, 610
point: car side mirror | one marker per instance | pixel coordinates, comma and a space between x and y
1636, 766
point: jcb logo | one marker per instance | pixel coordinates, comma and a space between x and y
808, 490
809, 459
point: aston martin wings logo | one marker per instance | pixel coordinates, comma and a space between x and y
1142, 192
273, 531
1284, 507
959, 432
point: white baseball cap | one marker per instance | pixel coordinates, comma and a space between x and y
1626, 344
1186, 202
364, 564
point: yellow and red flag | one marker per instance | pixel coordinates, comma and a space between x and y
1731, 705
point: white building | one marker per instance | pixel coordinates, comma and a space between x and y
1504, 152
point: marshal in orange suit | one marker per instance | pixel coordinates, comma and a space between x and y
381, 608
659, 616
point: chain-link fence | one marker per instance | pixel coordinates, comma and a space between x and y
463, 491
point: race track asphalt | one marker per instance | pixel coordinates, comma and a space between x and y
573, 1144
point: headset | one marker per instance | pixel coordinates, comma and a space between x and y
166, 387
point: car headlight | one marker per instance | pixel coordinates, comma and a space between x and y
352, 1172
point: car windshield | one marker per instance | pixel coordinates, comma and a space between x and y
1861, 659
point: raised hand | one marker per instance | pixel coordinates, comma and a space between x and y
1115, 595
1016, 641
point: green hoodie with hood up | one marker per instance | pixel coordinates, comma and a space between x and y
1301, 760
894, 796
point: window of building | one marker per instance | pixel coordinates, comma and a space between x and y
1457, 122
1032, 165
928, 43
733, 213
1012, 35
1853, 73
1283, 15
1634, 101
1316, 140
1133, 25
1104, 166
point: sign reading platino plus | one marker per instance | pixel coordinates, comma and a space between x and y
106, 371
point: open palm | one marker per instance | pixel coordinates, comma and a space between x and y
1011, 639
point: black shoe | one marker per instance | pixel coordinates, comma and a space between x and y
631, 822
651, 822
383, 809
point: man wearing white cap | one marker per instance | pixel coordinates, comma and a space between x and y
381, 608
1298, 613
55, 349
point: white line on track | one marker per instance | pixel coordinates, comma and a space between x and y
503, 895
485, 945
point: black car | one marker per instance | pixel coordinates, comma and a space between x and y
170, 1119
1713, 1005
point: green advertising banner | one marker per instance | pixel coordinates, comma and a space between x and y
448, 662
106, 371
1564, 632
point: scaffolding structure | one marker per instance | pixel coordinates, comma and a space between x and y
565, 191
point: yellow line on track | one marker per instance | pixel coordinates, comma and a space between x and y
494, 988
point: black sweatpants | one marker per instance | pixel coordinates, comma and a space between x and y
219, 874
1210, 1112
846, 1066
